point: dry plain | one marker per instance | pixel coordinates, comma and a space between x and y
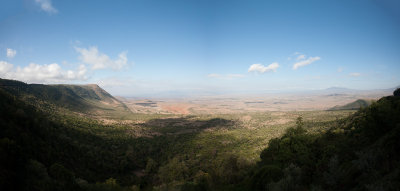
228, 104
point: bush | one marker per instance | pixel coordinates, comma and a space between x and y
266, 175
397, 92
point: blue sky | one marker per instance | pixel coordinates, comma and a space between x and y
145, 47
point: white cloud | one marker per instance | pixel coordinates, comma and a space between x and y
99, 60
340, 69
5, 68
35, 73
225, 76
301, 57
46, 6
11, 53
355, 74
262, 69
305, 62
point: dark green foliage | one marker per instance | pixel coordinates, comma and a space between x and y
299, 122
42, 154
266, 174
151, 166
60, 173
55, 152
175, 170
360, 153
37, 177
397, 92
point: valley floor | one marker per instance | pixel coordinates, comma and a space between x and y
234, 104
242, 134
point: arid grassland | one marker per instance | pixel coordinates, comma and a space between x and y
234, 104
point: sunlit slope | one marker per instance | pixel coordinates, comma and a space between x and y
78, 98
42, 152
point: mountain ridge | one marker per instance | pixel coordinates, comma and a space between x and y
78, 98
355, 105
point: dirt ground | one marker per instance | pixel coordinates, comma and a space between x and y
242, 104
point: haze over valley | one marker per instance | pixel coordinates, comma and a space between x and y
199, 95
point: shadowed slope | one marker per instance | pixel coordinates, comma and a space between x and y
360, 103
359, 153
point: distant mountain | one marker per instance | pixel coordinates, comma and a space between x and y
342, 89
337, 89
77, 98
360, 103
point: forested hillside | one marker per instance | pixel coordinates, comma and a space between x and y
361, 152
90, 99
41, 150
360, 103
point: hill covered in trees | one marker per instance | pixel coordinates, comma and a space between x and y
360, 103
44, 150
90, 99
40, 151
359, 153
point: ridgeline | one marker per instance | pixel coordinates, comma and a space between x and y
88, 99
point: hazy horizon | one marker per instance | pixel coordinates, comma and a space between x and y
199, 95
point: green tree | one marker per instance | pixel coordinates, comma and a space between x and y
151, 166
397, 92
299, 122
174, 170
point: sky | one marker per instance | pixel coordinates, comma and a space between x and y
149, 47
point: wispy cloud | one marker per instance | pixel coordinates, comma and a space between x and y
11, 53
305, 62
340, 69
225, 76
99, 60
300, 57
262, 69
355, 74
46, 6
35, 73
296, 56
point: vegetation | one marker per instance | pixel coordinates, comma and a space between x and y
88, 99
51, 147
360, 103
360, 153
397, 92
